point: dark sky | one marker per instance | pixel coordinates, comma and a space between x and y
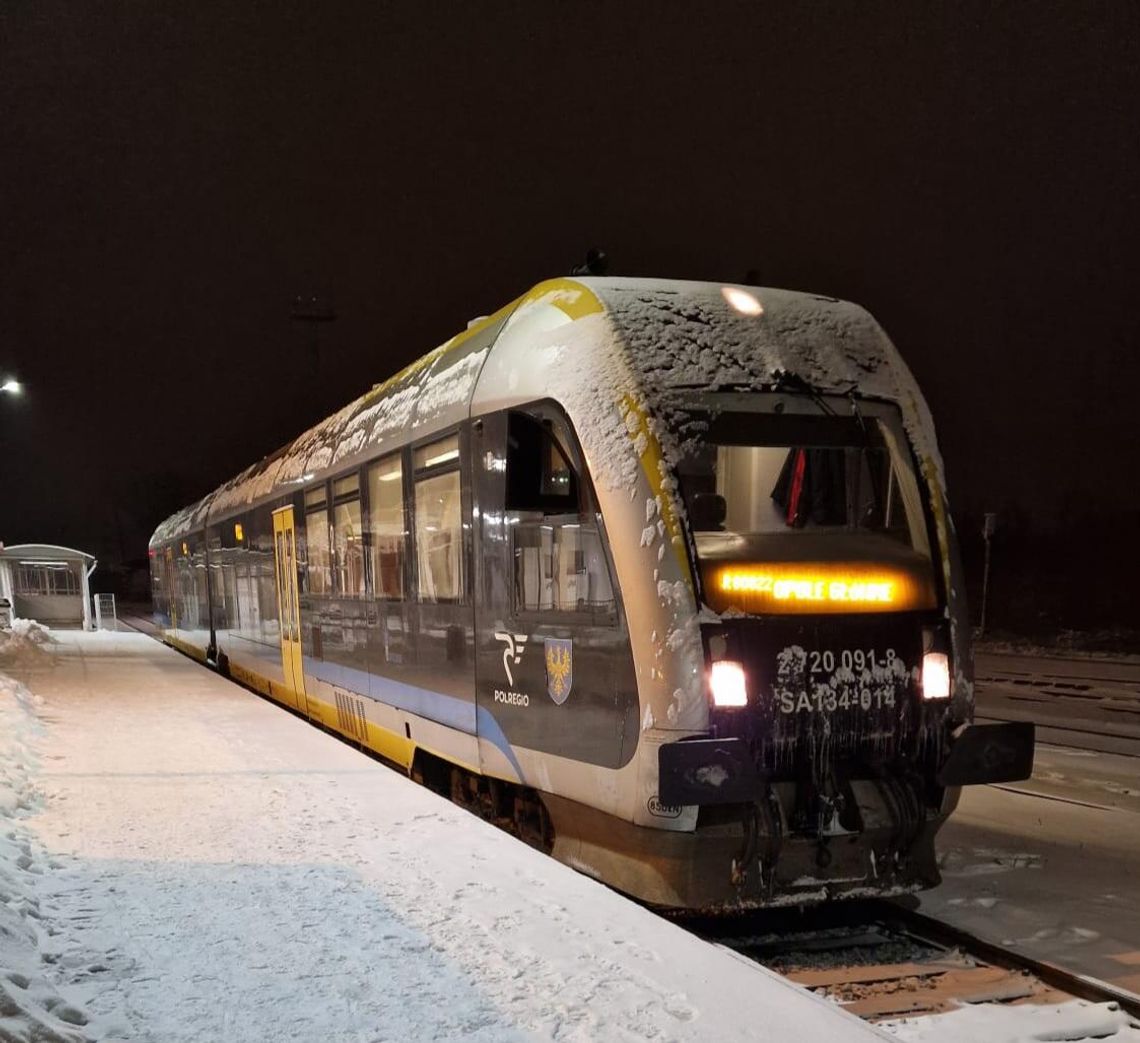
172, 174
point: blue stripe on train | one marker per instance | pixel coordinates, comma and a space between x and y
448, 710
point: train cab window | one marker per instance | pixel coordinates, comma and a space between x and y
386, 526
438, 521
348, 537
318, 552
558, 557
763, 476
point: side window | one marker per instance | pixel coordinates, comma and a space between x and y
386, 526
53, 578
439, 527
348, 537
263, 573
559, 561
317, 551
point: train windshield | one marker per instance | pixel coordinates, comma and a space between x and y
838, 492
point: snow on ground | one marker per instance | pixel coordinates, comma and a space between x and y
197, 864
30, 1006
180, 860
1072, 1022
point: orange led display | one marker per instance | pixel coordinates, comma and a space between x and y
817, 587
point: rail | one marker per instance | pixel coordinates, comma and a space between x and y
880, 959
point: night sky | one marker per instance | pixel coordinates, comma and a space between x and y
172, 175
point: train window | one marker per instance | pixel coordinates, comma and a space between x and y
263, 574
347, 486
318, 571
246, 617
439, 527
315, 497
749, 476
348, 537
438, 454
539, 474
559, 561
386, 526
221, 596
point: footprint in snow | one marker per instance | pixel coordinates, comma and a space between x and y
679, 1009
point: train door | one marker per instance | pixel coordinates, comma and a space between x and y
288, 612
554, 667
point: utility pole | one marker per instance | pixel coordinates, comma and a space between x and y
313, 311
988, 527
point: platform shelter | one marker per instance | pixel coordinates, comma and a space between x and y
47, 583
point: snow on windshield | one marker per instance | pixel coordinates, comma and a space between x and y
686, 335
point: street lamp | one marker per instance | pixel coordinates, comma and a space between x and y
12, 386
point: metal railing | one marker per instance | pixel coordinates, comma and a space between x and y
105, 618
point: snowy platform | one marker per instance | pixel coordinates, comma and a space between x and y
193, 863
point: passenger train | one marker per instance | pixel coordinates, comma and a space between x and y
661, 575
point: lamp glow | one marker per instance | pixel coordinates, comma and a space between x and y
727, 683
936, 675
11, 386
741, 300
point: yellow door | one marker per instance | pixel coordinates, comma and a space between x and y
288, 612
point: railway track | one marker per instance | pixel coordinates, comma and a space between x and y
1082, 704
881, 960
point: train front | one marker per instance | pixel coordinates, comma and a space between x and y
834, 637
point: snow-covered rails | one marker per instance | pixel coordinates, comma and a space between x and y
495, 570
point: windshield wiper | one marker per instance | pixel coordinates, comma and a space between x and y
786, 381
858, 412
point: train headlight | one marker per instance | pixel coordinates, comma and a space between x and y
726, 682
936, 675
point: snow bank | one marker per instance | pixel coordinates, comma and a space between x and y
27, 642
31, 1010
1073, 1022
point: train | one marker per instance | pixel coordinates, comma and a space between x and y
660, 575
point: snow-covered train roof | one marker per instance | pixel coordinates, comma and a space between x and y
661, 336
678, 335
434, 391
684, 334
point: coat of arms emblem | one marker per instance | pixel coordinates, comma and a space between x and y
559, 668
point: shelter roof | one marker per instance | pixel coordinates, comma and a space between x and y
43, 552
